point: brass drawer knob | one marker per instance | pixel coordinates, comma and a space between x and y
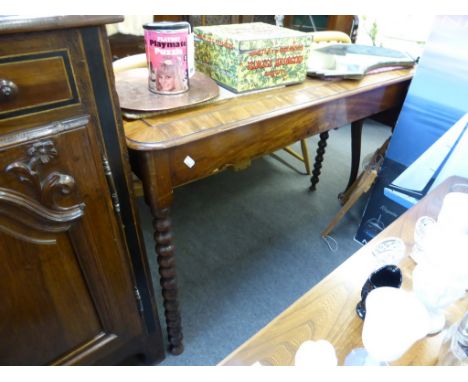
8, 90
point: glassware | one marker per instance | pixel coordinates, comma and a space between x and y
395, 320
441, 275
388, 275
459, 187
436, 288
453, 214
315, 353
454, 348
422, 229
389, 251
361, 357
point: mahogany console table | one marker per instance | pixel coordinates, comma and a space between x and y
173, 149
327, 311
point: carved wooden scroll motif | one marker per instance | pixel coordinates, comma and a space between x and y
49, 212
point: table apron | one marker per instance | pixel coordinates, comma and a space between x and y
214, 153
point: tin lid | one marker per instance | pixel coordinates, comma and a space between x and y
167, 25
252, 36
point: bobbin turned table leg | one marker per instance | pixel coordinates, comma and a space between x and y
318, 160
167, 272
154, 172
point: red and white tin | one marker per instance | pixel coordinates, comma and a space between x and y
167, 53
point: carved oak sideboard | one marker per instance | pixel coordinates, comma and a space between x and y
74, 281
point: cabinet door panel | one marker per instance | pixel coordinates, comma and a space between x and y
39, 319
66, 288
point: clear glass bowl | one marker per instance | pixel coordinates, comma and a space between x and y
389, 251
424, 225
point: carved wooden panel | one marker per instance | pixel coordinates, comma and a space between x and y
65, 287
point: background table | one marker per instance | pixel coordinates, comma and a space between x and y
173, 149
327, 311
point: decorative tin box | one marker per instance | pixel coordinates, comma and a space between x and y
251, 56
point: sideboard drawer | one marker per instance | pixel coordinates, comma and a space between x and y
31, 83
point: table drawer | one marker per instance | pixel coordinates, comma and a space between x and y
34, 83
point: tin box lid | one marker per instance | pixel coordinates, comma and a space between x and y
167, 25
249, 36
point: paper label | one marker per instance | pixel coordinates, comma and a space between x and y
189, 162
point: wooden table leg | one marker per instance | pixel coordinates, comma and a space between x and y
318, 160
356, 133
167, 271
155, 175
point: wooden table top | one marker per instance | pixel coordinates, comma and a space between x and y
180, 127
327, 311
